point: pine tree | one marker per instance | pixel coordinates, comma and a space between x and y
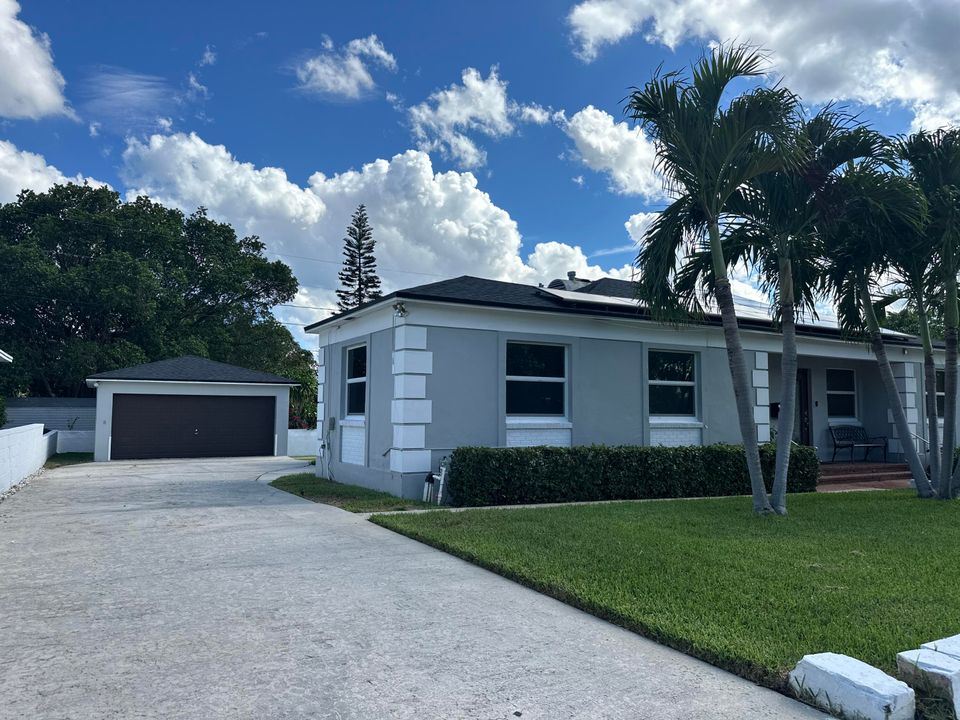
358, 279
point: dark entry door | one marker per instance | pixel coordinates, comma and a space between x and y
187, 426
803, 433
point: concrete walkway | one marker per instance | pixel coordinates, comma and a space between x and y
175, 589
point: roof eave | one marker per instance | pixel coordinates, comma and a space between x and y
354, 313
93, 381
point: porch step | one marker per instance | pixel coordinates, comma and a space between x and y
845, 473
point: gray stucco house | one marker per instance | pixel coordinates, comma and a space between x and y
405, 379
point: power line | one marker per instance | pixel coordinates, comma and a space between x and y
94, 223
98, 306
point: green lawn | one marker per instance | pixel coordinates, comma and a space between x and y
349, 497
70, 458
866, 574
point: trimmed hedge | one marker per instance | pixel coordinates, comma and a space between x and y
512, 476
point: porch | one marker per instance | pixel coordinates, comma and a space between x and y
837, 391
843, 476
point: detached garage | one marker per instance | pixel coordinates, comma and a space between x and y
189, 407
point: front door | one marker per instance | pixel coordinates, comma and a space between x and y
801, 428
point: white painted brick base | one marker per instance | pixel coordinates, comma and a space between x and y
353, 441
533, 435
668, 436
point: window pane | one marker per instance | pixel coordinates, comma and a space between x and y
357, 362
841, 405
840, 380
672, 400
940, 399
534, 398
356, 398
941, 381
535, 360
671, 366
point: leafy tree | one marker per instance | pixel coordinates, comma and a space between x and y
933, 159
907, 321
878, 209
358, 279
91, 283
707, 149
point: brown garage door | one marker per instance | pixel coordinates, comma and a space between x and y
186, 426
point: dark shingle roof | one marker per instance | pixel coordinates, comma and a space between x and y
469, 290
190, 368
611, 287
480, 291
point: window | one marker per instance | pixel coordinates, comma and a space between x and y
357, 380
673, 383
536, 379
841, 393
941, 392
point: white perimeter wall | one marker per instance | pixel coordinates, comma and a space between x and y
23, 451
303, 442
75, 441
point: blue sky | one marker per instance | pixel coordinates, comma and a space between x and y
486, 138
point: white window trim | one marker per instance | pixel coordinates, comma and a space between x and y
551, 421
829, 392
676, 420
351, 381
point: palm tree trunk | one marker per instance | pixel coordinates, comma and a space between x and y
788, 388
742, 387
893, 396
950, 321
930, 399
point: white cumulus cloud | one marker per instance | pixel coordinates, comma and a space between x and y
867, 51
344, 74
209, 56
480, 105
428, 224
623, 153
22, 170
30, 84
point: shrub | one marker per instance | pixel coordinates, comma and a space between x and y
3, 412
511, 476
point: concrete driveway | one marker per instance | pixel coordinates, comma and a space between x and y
187, 589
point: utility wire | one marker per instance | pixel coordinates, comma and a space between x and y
124, 228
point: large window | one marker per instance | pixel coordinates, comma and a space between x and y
941, 392
357, 380
536, 379
672, 383
841, 393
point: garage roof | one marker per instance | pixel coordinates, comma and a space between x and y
190, 368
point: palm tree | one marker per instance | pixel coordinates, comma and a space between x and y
706, 151
915, 273
934, 162
875, 209
778, 236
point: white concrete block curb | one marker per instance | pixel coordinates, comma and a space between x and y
933, 673
851, 688
948, 646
